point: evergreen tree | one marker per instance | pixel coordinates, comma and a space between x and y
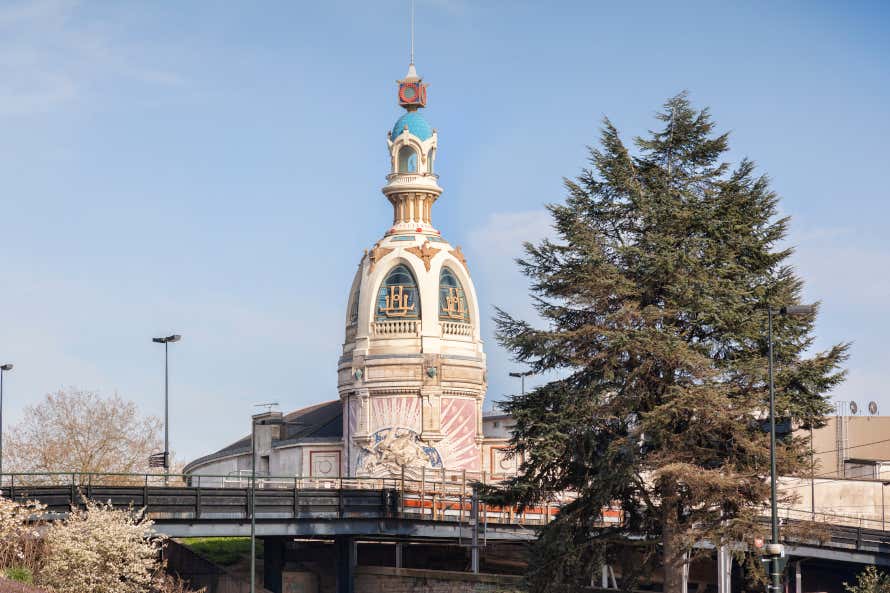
655, 298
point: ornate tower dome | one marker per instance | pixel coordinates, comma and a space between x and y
412, 373
412, 186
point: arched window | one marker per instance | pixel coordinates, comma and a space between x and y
353, 306
398, 297
452, 300
407, 160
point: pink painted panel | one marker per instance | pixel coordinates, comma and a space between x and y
395, 412
459, 449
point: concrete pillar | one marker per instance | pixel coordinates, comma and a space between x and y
684, 584
798, 578
345, 563
724, 570
399, 548
273, 563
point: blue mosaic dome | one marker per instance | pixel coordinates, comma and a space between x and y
416, 125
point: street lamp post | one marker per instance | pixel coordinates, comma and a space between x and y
3, 369
253, 424
253, 504
775, 551
166, 341
522, 376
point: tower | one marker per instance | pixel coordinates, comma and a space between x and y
412, 373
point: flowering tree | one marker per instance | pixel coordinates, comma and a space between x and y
19, 540
98, 549
101, 550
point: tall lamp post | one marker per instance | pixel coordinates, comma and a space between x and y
254, 421
775, 548
166, 342
3, 369
522, 376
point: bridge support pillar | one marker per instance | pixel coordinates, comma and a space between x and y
724, 570
273, 563
399, 549
346, 561
798, 578
606, 574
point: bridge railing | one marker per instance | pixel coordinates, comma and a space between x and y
440, 496
836, 519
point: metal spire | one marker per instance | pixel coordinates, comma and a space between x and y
412, 32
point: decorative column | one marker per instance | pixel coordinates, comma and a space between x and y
431, 399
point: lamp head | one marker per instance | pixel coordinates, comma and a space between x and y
798, 310
173, 338
6, 367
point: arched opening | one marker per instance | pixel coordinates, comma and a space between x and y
452, 299
432, 159
407, 160
398, 297
353, 306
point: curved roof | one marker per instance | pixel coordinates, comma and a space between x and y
417, 125
321, 421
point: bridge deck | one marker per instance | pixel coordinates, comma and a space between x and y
375, 508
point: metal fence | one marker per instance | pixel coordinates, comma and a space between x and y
440, 496
436, 495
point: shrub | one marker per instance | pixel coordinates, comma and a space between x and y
100, 549
870, 580
19, 539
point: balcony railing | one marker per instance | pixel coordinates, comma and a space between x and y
421, 178
395, 328
453, 328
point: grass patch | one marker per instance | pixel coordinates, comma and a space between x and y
20, 574
224, 551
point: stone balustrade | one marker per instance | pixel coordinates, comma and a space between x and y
398, 327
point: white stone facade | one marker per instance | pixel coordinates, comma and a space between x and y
412, 375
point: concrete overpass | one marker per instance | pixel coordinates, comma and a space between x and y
383, 510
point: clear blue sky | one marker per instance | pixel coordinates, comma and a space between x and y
166, 167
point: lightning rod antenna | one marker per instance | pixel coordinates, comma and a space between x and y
412, 32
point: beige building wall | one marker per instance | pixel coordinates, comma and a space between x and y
860, 437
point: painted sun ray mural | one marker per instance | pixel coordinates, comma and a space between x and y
459, 425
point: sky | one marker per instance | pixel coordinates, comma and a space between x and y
170, 167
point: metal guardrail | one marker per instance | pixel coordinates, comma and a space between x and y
178, 496
436, 496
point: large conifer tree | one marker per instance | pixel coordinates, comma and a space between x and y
654, 298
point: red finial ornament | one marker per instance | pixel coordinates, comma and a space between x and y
412, 91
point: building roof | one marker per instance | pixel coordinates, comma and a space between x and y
417, 126
321, 421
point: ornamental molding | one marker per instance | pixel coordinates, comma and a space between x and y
459, 256
468, 393
394, 391
425, 253
376, 254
